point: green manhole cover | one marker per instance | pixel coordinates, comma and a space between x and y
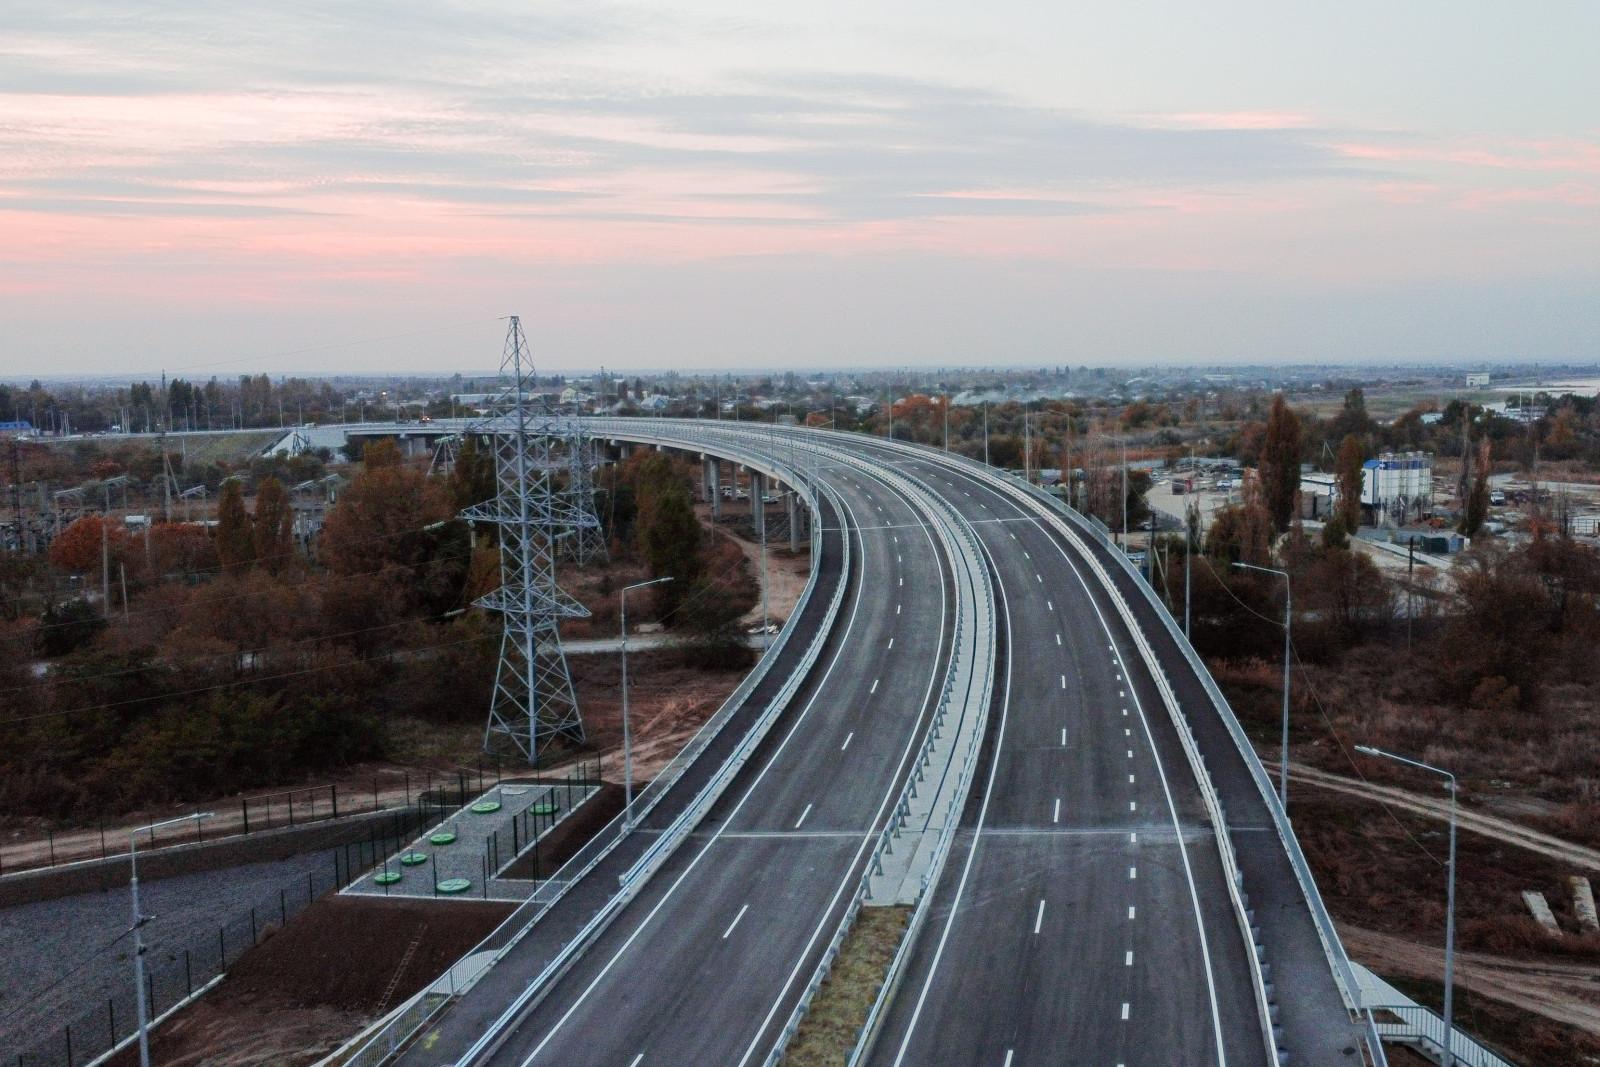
454, 885
411, 859
545, 807
485, 807
387, 878
443, 837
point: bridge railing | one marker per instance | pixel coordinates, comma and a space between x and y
381, 1044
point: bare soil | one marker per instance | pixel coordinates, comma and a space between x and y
570, 834
304, 990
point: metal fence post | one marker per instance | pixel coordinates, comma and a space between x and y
111, 1018
188, 975
333, 801
283, 907
69, 1045
252, 926
103, 840
222, 948
51, 834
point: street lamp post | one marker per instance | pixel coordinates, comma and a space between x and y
1288, 631
1450, 896
138, 928
627, 736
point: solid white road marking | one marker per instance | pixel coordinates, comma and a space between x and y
735, 922
852, 733
1038, 920
802, 817
637, 1060
1008, 1056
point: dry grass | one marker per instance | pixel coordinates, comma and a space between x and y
832, 1026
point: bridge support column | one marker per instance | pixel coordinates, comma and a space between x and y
794, 521
758, 505
713, 479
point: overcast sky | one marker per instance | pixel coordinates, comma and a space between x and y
218, 186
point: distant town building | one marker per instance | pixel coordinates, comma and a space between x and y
1479, 380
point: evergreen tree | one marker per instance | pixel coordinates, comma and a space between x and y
1477, 503
274, 526
1347, 478
236, 548
1280, 463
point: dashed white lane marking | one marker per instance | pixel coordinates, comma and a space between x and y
1063, 681
1058, 640
1056, 815
897, 557
1130, 911
897, 609
1025, 554
874, 688
902, 581
1063, 737
1127, 960
1124, 1011
1038, 920
1008, 1056
1126, 732
1048, 606
1133, 838
1130, 779
1120, 692
1130, 753
1133, 805
891, 644
1124, 711
802, 817
735, 922
1133, 872
852, 734
1039, 578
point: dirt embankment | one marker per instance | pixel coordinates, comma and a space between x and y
305, 989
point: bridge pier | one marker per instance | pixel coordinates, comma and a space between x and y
712, 470
758, 502
794, 520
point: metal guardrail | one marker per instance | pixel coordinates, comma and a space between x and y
979, 666
379, 1046
1420, 1027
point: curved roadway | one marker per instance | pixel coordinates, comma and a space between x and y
1083, 915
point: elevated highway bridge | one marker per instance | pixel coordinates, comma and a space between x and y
980, 711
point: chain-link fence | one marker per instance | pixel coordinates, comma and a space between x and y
174, 972
249, 815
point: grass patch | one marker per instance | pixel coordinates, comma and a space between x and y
830, 1028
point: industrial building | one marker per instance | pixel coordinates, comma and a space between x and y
1396, 487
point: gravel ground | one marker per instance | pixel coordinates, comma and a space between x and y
63, 958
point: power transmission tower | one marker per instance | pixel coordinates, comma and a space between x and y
533, 703
585, 540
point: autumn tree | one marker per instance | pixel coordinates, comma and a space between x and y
79, 548
236, 548
1347, 481
1280, 463
273, 526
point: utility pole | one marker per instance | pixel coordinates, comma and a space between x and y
627, 736
1124, 494
139, 919
1288, 624
986, 433
1450, 898
1027, 448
